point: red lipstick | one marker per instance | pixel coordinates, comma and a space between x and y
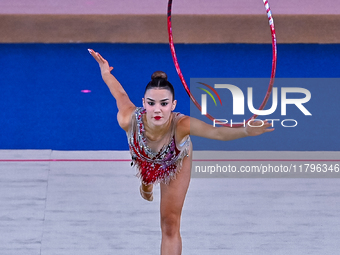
157, 117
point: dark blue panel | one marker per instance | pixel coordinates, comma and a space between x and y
42, 107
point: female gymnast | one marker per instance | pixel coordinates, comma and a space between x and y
160, 145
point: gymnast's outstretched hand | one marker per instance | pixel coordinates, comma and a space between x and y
257, 127
103, 64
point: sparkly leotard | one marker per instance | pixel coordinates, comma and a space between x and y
156, 167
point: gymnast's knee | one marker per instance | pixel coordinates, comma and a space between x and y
170, 225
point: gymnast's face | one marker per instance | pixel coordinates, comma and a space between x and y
158, 104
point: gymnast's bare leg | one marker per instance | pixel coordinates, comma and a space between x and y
172, 200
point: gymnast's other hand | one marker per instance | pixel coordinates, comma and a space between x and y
256, 127
103, 64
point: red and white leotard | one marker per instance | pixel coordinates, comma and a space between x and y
163, 165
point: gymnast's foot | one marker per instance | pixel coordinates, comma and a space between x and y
146, 192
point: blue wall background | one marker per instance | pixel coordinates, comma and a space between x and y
42, 107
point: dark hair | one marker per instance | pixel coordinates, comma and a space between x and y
159, 80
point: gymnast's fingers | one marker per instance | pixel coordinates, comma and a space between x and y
266, 126
95, 55
101, 58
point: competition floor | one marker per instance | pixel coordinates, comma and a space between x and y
64, 202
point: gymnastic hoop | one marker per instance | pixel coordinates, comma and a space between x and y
274, 60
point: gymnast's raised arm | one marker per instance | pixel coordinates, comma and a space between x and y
124, 104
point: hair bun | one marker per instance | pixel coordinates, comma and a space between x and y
159, 75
